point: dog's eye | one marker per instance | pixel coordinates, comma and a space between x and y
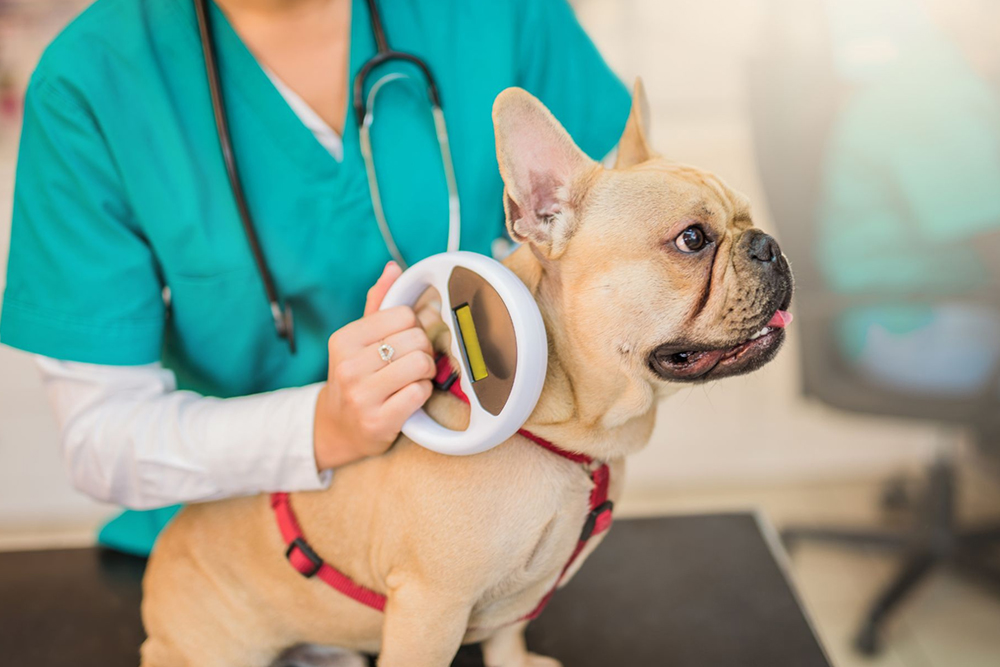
691, 239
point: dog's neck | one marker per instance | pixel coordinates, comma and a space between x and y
599, 410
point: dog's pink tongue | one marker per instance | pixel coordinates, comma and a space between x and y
781, 319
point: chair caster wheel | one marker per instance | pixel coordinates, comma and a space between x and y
867, 641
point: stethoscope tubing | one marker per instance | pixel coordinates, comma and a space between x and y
364, 115
282, 312
367, 154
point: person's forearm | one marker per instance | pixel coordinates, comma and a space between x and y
131, 438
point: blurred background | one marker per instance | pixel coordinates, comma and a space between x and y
867, 135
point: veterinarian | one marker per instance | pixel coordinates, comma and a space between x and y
132, 276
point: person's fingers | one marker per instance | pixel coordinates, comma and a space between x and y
381, 286
371, 329
402, 371
368, 361
401, 405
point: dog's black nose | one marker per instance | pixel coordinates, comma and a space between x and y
763, 248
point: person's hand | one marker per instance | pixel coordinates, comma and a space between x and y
365, 401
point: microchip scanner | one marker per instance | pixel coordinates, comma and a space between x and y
498, 336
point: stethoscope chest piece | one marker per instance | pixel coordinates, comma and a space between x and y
498, 336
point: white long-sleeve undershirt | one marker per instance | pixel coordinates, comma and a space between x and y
130, 437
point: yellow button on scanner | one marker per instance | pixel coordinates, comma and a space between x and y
470, 341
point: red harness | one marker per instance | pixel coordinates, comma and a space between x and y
309, 564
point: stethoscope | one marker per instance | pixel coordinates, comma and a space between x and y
364, 108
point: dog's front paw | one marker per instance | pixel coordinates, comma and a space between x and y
534, 660
311, 655
531, 660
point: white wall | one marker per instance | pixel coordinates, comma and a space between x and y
753, 430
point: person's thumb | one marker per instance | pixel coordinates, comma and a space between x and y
381, 286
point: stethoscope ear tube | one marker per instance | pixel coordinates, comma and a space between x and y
282, 315
381, 58
454, 208
364, 115
367, 154
384, 54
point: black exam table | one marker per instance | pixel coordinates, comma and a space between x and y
679, 591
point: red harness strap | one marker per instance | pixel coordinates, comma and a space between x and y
309, 564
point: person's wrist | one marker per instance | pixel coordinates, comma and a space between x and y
330, 448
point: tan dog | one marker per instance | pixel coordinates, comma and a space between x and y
647, 274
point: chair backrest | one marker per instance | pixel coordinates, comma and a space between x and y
794, 101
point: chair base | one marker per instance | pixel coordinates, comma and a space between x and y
935, 540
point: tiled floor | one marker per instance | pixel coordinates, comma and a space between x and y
948, 622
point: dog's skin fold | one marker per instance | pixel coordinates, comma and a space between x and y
464, 546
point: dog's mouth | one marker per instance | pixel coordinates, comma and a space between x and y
674, 363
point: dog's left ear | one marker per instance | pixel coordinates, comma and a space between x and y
633, 147
542, 171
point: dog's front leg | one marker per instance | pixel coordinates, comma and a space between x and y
507, 648
423, 627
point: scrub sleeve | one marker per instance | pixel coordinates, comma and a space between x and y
82, 282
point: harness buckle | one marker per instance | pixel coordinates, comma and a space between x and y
448, 382
446, 375
310, 555
590, 525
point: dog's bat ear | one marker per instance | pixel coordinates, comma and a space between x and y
633, 147
541, 167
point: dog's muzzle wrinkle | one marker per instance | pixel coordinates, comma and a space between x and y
745, 341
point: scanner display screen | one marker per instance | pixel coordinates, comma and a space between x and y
470, 343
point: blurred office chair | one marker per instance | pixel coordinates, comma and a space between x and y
794, 98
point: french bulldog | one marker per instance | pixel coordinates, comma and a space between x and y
648, 275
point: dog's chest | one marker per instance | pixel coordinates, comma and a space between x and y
546, 555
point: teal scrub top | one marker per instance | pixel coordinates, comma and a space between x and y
911, 179
121, 193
